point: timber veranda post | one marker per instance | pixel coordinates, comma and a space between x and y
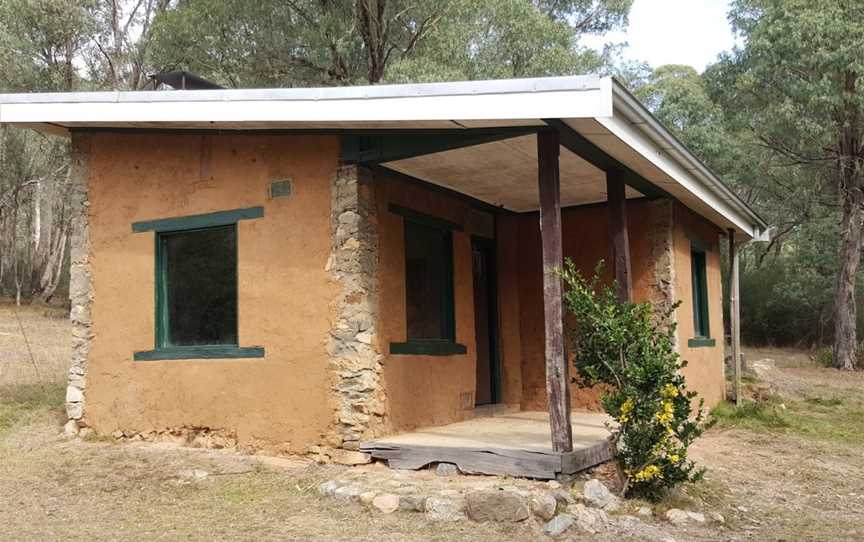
735, 315
557, 373
619, 237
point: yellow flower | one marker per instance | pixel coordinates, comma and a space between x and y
674, 458
626, 409
669, 391
666, 413
648, 473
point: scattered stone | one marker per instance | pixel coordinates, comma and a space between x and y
441, 509
496, 505
367, 497
598, 495
86, 432
117, 434
553, 484
192, 475
590, 520
544, 505
676, 516
717, 518
349, 492
645, 511
446, 469
328, 488
386, 503
698, 517
71, 428
564, 497
558, 525
412, 503
349, 457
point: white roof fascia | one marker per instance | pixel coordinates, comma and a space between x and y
518, 99
632, 123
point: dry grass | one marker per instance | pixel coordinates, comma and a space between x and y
35, 344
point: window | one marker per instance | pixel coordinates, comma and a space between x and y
430, 325
196, 286
701, 328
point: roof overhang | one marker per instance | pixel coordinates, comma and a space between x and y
598, 113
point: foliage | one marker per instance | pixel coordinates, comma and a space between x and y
631, 349
308, 42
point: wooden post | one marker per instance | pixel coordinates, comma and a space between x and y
735, 316
619, 238
557, 373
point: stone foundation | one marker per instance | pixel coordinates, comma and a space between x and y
80, 282
355, 360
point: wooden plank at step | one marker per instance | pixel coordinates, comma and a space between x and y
557, 373
586, 458
492, 461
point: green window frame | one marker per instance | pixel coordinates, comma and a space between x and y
164, 229
699, 281
441, 342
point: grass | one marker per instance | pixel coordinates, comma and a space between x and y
835, 418
22, 402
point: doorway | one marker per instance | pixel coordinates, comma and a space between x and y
486, 321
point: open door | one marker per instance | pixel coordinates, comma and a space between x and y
486, 321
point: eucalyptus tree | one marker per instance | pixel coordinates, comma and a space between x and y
796, 85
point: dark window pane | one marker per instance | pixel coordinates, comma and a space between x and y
428, 282
200, 274
700, 294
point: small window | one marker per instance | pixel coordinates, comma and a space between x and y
198, 287
429, 314
700, 295
428, 282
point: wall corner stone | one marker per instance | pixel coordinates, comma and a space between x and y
662, 238
355, 361
81, 282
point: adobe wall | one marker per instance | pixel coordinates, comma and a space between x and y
705, 370
284, 286
423, 390
660, 261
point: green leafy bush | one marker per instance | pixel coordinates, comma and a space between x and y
630, 348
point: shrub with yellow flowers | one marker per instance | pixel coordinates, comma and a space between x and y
630, 349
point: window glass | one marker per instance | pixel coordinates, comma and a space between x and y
428, 282
199, 287
700, 294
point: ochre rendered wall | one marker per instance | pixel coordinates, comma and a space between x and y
704, 372
284, 289
585, 233
585, 239
423, 390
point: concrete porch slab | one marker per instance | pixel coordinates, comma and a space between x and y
509, 443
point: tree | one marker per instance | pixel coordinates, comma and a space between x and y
796, 85
339, 42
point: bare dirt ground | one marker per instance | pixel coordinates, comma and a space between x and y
789, 467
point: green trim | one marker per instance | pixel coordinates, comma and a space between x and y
701, 342
194, 222
389, 147
200, 352
699, 283
423, 218
697, 243
428, 347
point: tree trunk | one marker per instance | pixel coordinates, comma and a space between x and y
845, 312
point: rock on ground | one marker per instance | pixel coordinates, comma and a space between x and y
544, 505
496, 505
590, 520
440, 509
386, 503
599, 496
446, 469
558, 525
676, 516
